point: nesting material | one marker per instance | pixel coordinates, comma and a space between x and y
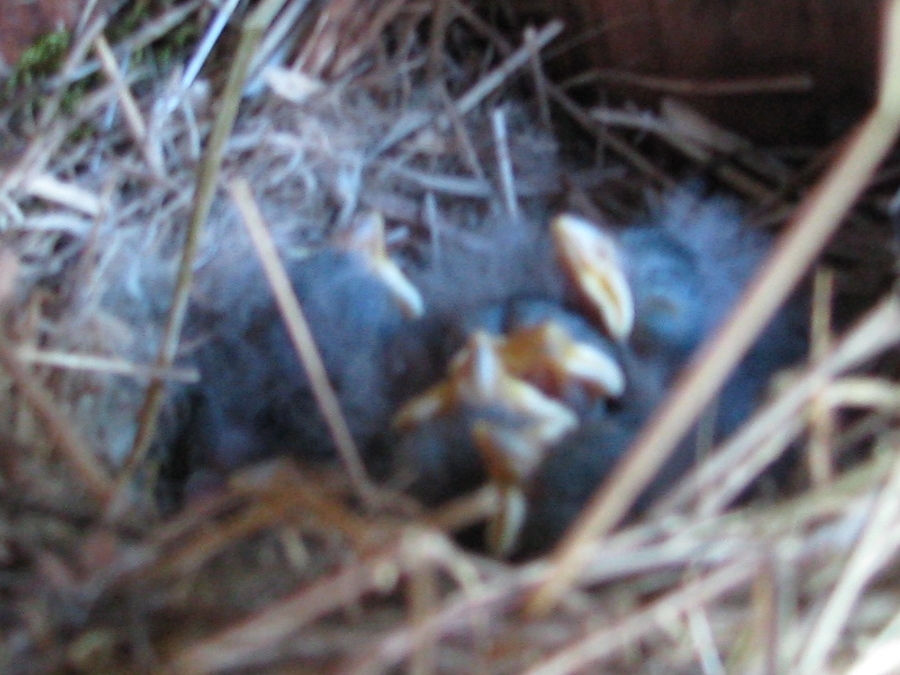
441, 120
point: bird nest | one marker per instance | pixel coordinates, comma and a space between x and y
128, 180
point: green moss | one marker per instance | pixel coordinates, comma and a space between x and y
163, 53
41, 59
24, 90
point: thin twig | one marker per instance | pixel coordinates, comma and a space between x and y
241, 643
206, 189
504, 164
877, 545
302, 338
60, 430
747, 86
725, 474
481, 90
540, 79
608, 640
133, 116
102, 364
74, 61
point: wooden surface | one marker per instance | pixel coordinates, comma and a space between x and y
706, 42
23, 21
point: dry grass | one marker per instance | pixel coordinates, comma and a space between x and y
279, 573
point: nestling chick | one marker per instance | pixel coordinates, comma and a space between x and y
255, 399
457, 439
479, 392
686, 269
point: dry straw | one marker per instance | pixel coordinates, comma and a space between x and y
115, 207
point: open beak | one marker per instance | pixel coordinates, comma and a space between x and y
505, 527
591, 258
547, 356
479, 379
511, 456
519, 424
367, 239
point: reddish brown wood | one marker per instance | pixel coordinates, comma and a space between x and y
711, 40
23, 21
